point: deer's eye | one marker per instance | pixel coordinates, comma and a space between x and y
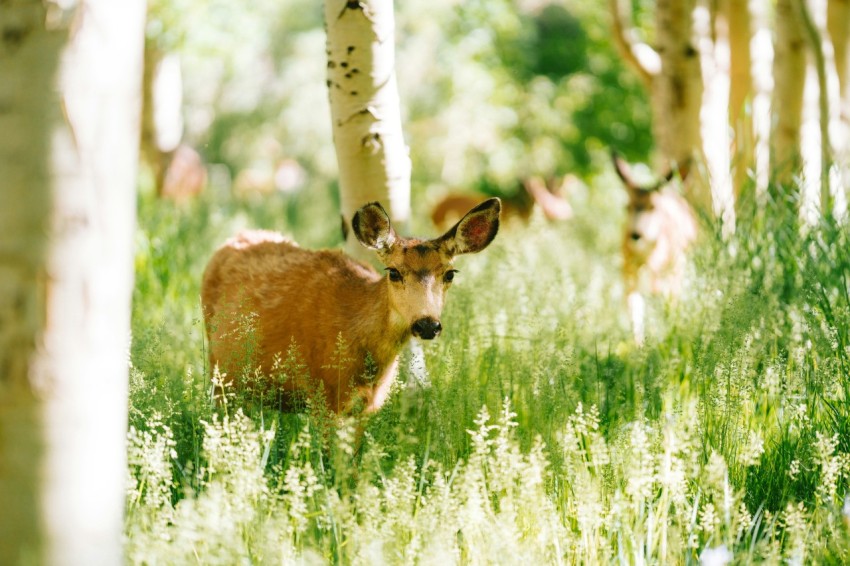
450, 275
395, 275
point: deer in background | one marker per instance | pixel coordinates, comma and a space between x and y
314, 298
549, 195
660, 227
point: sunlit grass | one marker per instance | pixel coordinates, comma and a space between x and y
542, 435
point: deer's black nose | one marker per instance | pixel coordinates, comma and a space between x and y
427, 328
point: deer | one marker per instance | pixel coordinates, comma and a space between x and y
660, 227
549, 195
315, 298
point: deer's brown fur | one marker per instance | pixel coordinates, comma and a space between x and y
548, 195
660, 227
312, 297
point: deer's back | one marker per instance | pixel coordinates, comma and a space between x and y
261, 292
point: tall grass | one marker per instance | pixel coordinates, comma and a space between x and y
541, 434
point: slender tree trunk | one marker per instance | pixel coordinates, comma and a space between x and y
762, 69
373, 159
162, 111
838, 26
822, 112
70, 93
712, 32
672, 74
677, 93
737, 15
789, 73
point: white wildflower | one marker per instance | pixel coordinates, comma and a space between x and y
830, 466
716, 556
750, 455
794, 469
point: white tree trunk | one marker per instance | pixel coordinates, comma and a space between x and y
374, 163
71, 95
789, 75
821, 116
672, 74
736, 14
838, 27
677, 93
761, 49
712, 31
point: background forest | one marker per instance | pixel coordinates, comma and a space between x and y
539, 432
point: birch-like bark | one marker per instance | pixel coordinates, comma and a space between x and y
69, 105
762, 68
677, 93
737, 15
712, 32
789, 75
374, 164
826, 113
672, 74
838, 27
162, 111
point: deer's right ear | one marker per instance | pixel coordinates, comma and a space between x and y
371, 226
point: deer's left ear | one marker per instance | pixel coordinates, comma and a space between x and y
475, 231
624, 171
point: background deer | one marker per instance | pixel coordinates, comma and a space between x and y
550, 196
314, 297
660, 226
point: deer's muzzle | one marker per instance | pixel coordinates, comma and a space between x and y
426, 328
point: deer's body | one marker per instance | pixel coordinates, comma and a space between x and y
660, 227
313, 297
452, 207
549, 196
656, 240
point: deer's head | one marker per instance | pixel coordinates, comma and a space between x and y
419, 272
645, 220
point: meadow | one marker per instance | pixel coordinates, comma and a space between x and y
541, 434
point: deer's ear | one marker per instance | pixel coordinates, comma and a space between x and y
371, 226
623, 170
475, 231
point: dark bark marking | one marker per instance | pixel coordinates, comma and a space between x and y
14, 36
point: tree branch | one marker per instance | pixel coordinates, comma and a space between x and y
640, 55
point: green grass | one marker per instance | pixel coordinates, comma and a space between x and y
544, 435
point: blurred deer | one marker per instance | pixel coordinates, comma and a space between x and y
314, 298
185, 175
549, 195
660, 226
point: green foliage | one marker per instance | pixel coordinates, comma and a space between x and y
726, 433
491, 90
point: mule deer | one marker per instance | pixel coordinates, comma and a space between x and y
549, 196
314, 297
660, 226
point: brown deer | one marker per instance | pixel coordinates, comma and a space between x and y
549, 196
660, 227
314, 298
